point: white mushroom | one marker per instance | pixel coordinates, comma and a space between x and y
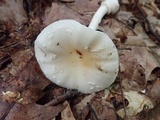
76, 57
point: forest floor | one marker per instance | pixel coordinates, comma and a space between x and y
25, 91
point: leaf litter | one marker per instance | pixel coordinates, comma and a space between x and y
25, 90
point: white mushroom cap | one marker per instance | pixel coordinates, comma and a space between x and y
76, 57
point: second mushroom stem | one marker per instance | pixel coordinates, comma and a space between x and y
107, 6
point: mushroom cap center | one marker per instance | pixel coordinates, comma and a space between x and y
76, 57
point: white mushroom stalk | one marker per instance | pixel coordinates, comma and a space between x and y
77, 57
107, 7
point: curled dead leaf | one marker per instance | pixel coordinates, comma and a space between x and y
137, 102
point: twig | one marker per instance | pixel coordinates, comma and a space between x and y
12, 45
5, 61
69, 94
4, 116
92, 111
124, 105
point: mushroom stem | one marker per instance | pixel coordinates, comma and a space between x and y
107, 6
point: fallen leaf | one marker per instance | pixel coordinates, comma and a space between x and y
60, 11
151, 114
79, 108
13, 11
153, 88
19, 61
71, 11
34, 112
4, 108
67, 114
29, 77
154, 23
104, 110
136, 64
148, 114
67, 1
84, 7
137, 102
139, 59
115, 29
132, 74
149, 6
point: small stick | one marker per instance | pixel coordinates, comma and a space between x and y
92, 111
124, 105
5, 61
69, 94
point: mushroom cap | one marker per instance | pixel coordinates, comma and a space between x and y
76, 57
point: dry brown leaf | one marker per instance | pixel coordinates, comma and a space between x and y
124, 16
146, 60
146, 114
135, 105
154, 91
34, 112
150, 7
153, 88
115, 29
67, 1
104, 110
79, 108
12, 10
67, 114
4, 108
73, 11
154, 23
139, 56
60, 11
84, 7
19, 61
31, 82
136, 64
154, 48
